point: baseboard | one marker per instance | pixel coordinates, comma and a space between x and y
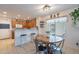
5, 38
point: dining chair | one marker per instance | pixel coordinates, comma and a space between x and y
57, 47
33, 36
40, 47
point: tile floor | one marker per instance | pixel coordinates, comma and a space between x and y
7, 47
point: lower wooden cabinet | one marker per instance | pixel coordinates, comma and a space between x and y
12, 34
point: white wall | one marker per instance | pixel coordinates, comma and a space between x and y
43, 18
5, 33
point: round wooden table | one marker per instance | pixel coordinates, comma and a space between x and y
48, 40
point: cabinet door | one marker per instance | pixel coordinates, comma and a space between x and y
24, 24
30, 24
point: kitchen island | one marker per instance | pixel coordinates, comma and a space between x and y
23, 36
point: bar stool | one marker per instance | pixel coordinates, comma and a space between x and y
33, 36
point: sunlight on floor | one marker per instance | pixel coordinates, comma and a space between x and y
7, 46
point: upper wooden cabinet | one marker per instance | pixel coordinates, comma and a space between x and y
25, 24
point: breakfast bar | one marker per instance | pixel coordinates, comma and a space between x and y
23, 36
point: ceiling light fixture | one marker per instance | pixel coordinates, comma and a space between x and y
46, 7
28, 18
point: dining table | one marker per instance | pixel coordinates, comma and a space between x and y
48, 40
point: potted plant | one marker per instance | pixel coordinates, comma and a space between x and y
75, 15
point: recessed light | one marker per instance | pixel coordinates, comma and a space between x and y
4, 12
28, 17
18, 15
4, 15
24, 18
16, 18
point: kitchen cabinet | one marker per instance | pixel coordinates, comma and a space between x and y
25, 23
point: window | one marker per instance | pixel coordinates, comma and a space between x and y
57, 26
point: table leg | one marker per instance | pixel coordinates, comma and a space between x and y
49, 49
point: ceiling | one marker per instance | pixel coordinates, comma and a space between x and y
31, 10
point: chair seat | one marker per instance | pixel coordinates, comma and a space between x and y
56, 50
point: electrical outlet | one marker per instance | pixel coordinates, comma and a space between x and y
77, 43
